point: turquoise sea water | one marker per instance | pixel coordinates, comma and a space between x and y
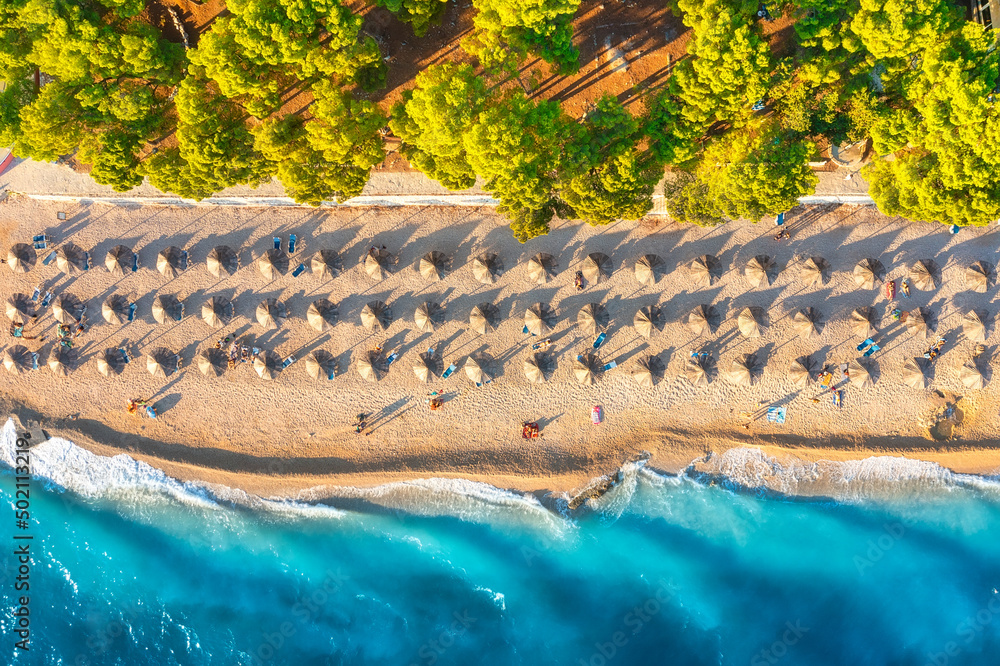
898, 565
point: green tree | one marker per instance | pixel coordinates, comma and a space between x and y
420, 14
214, 148
542, 27
756, 171
432, 119
621, 188
730, 65
892, 32
519, 146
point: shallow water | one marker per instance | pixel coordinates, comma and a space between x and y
898, 564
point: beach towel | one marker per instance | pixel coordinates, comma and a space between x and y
776, 414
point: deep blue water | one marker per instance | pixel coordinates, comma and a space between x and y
130, 567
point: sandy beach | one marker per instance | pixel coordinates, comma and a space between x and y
295, 432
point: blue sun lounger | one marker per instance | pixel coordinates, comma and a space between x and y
288, 361
277, 242
135, 262
86, 261
184, 260
125, 355
35, 294
447, 373
47, 299
49, 259
600, 340
131, 312
392, 357
871, 350
34, 360
609, 366
291, 243
299, 271
864, 344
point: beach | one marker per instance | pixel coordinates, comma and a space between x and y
295, 433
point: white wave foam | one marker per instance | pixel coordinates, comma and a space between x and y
876, 477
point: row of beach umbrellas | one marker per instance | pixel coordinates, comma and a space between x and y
539, 319
760, 270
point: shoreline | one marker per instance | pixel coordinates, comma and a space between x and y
577, 486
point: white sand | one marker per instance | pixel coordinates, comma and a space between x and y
296, 431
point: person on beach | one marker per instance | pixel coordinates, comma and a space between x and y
17, 331
578, 280
80, 328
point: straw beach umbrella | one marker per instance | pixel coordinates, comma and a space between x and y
167, 306
541, 268
863, 322
698, 370
17, 359
322, 315
222, 259
119, 260
325, 264
168, 261
587, 368
913, 373
115, 309
922, 274
161, 362
974, 325
487, 267
19, 308
648, 319
867, 271
21, 257
648, 269
700, 320
428, 316
477, 369
916, 322
67, 309
596, 267
368, 367
703, 269
425, 367
217, 311
62, 360
535, 367
751, 322
806, 323
482, 318
648, 369
971, 376
858, 373
801, 371
273, 263
70, 259
377, 263
539, 319
759, 271
741, 370
977, 277
271, 314
321, 363
591, 318
267, 365
432, 266
814, 271
376, 315
110, 362
212, 362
